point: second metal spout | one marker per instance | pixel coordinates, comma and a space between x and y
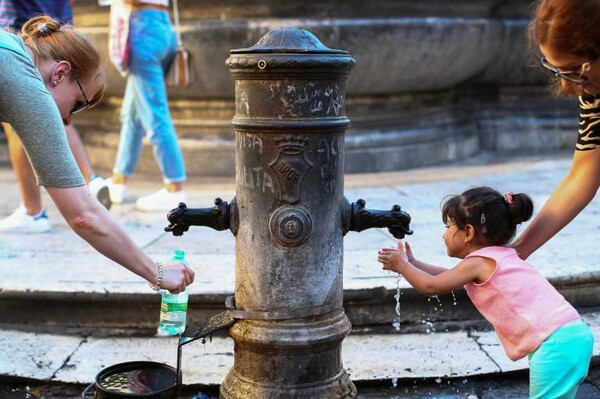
358, 218
219, 217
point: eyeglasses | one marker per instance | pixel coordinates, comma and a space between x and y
571, 76
80, 105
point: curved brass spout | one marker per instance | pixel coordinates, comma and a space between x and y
218, 217
358, 218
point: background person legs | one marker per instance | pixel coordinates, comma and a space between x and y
31, 216
145, 112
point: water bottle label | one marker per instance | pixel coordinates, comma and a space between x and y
173, 306
174, 312
174, 317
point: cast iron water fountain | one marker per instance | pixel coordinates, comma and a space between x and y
289, 217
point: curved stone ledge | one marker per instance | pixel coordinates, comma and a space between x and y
430, 83
392, 56
381, 137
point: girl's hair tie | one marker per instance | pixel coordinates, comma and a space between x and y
508, 198
44, 30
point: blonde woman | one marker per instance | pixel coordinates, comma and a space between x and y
47, 74
31, 216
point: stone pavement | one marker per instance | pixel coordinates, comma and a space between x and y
60, 269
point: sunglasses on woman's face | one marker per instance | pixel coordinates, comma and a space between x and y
573, 76
80, 105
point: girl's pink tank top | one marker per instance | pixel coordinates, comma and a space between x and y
519, 302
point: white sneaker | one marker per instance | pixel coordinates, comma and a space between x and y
100, 190
118, 192
20, 222
160, 201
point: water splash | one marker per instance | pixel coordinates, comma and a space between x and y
430, 328
435, 308
440, 303
453, 298
396, 322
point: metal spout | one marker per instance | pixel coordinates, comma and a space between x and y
222, 216
357, 218
217, 322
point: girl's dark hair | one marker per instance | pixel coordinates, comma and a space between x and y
494, 218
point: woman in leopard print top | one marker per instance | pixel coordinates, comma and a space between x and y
567, 35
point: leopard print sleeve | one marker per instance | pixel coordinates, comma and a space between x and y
589, 123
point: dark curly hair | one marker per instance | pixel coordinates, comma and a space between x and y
494, 218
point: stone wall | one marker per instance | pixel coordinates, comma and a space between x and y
434, 80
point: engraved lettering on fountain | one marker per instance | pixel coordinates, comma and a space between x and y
336, 100
328, 100
327, 155
250, 142
290, 167
243, 103
255, 178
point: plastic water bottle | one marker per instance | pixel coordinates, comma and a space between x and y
173, 307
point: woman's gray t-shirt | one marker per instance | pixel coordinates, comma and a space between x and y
27, 105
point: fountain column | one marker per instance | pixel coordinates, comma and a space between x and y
289, 124
289, 217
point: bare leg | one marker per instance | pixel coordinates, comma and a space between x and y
30, 192
174, 187
98, 187
78, 150
118, 178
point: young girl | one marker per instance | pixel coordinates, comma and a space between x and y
530, 317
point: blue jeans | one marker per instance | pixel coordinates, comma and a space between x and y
145, 109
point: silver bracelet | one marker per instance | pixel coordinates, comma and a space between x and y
156, 287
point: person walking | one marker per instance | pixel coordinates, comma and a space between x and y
567, 36
30, 216
48, 73
530, 317
145, 108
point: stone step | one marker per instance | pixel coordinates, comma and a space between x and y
366, 308
366, 356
